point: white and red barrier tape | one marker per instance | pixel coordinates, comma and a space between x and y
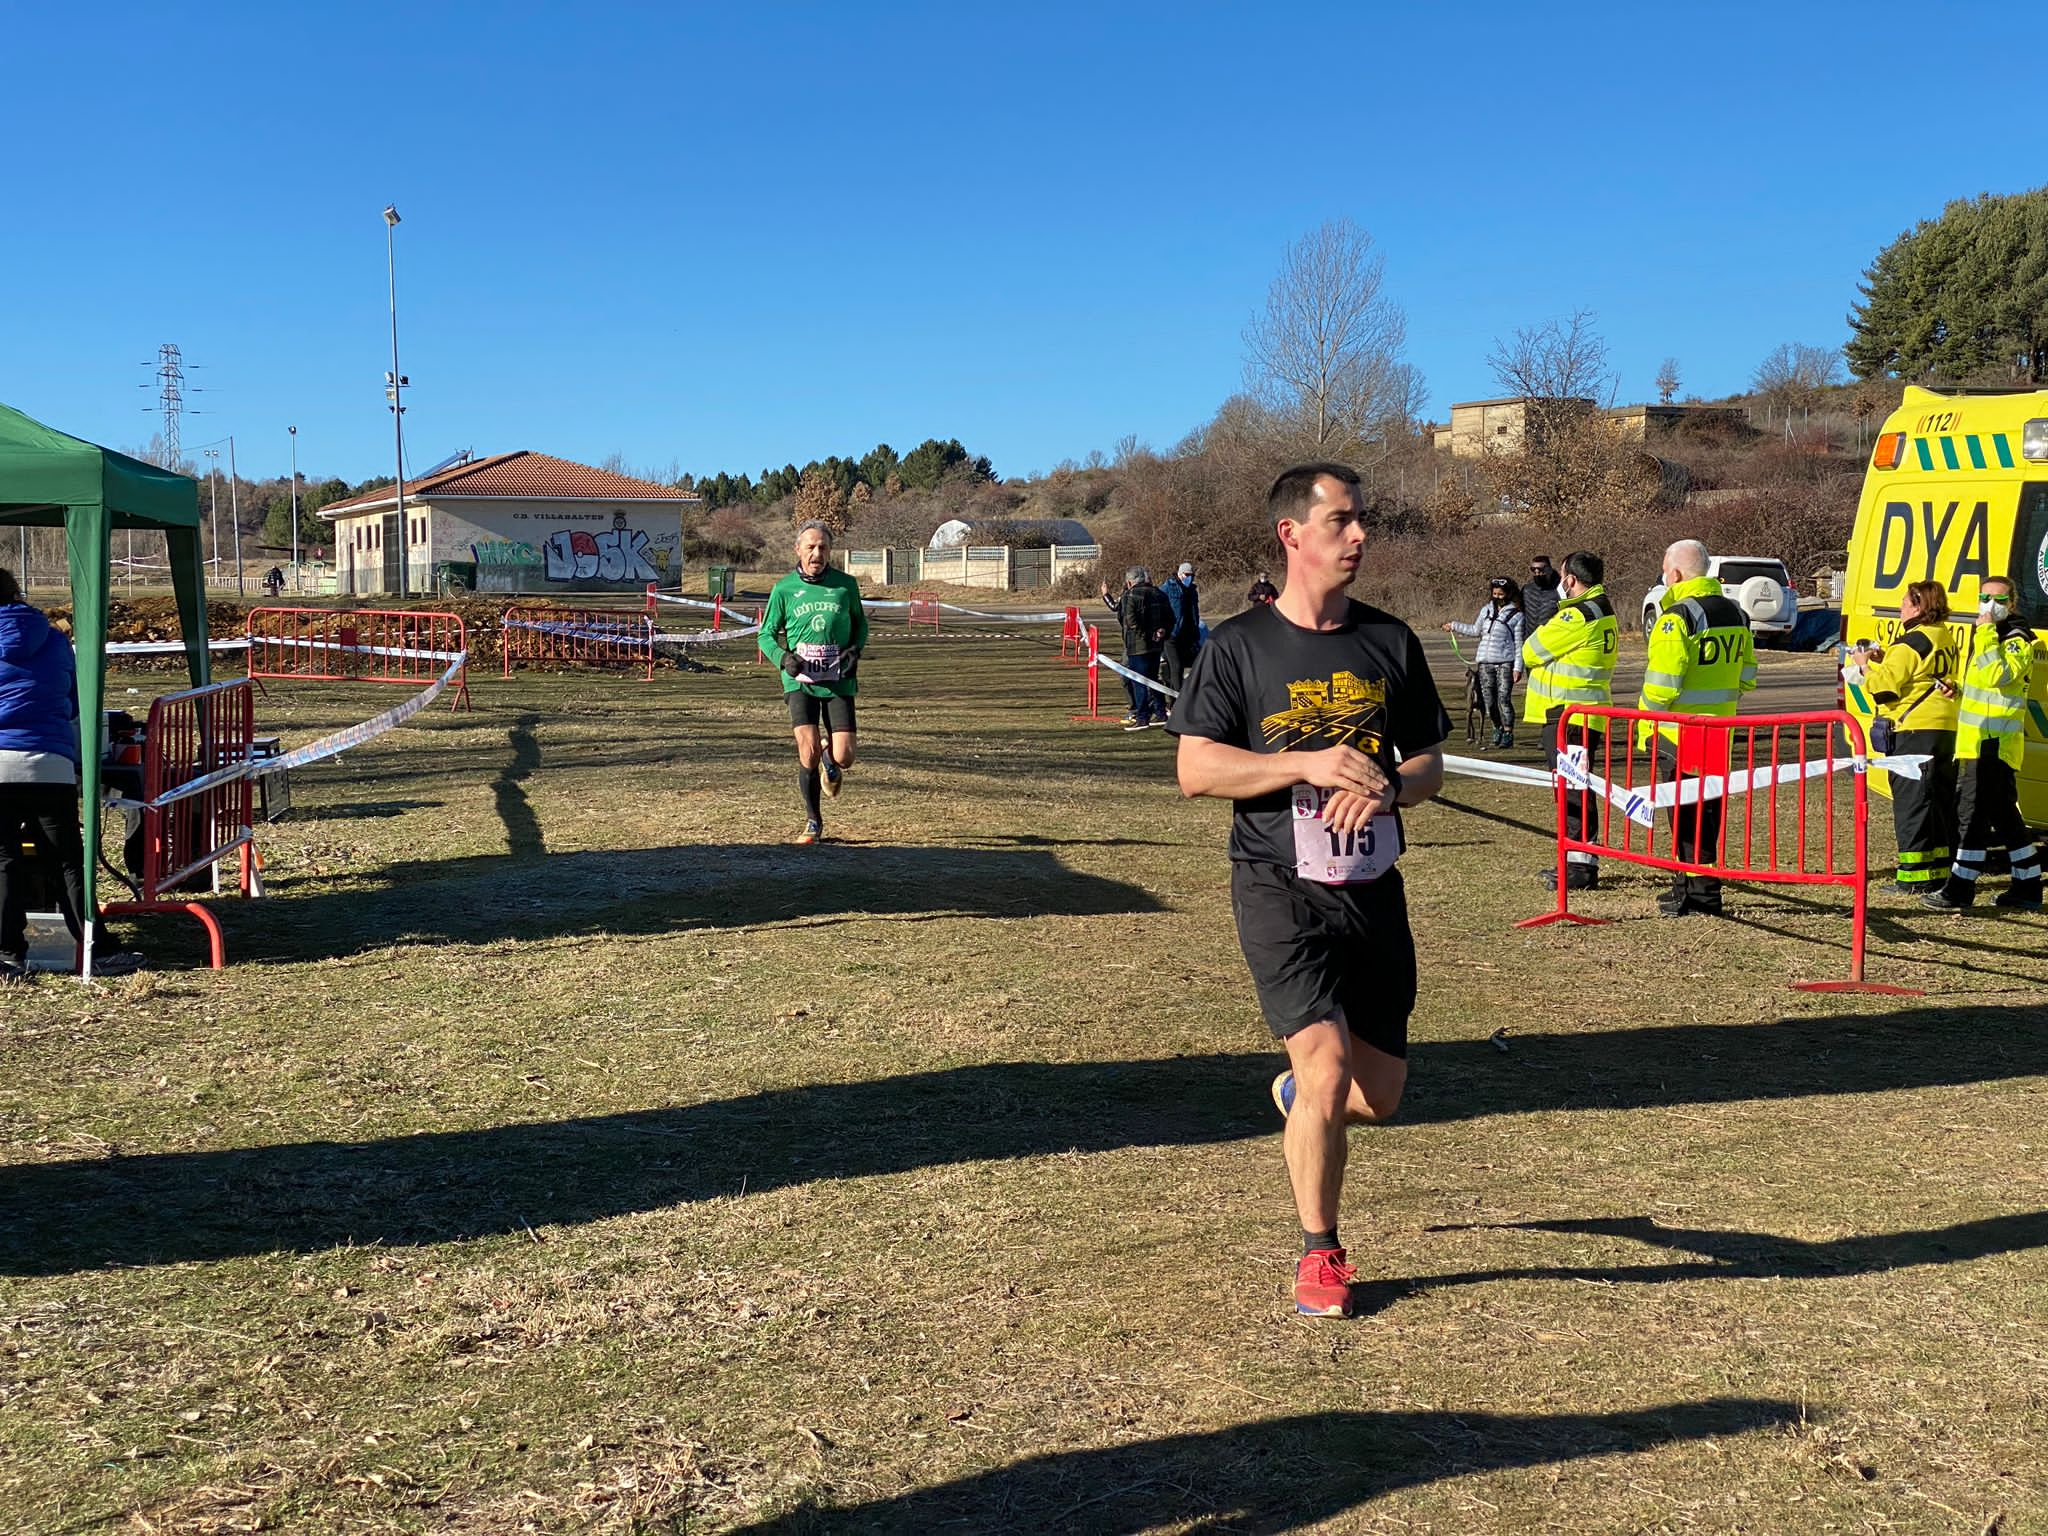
1640, 805
327, 746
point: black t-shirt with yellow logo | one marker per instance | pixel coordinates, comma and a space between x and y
1266, 685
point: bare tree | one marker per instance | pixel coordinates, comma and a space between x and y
1324, 356
1557, 360
1559, 368
1792, 376
1667, 380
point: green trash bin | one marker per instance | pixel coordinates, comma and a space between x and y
720, 582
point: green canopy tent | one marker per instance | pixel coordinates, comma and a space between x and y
49, 479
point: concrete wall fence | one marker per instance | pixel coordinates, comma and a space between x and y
998, 568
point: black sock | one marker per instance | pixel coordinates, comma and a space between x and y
1312, 1241
807, 786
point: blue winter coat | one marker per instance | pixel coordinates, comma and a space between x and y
1186, 600
38, 685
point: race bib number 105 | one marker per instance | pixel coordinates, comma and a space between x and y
820, 662
1330, 857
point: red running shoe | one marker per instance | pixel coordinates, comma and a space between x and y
1322, 1284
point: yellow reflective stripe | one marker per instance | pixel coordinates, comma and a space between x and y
1709, 695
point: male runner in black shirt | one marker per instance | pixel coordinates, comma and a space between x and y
1316, 715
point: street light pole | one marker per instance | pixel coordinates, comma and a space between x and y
397, 393
213, 491
295, 507
235, 515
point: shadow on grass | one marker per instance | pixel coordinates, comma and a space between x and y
532, 894
362, 810
444, 1186
523, 839
166, 1208
1274, 1476
1731, 1254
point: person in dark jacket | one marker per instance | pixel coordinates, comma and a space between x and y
1178, 653
1262, 591
1146, 619
39, 779
1543, 593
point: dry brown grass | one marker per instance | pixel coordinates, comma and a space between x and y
564, 1152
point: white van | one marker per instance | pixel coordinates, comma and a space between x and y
1761, 586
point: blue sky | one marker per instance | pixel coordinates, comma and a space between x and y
737, 235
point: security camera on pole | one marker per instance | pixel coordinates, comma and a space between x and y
394, 385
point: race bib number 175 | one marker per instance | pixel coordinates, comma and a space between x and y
1329, 857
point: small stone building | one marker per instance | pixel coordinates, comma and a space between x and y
513, 522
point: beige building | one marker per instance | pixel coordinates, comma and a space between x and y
1479, 427
514, 522
1640, 423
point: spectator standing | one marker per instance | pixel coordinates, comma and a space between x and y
1263, 591
1543, 593
1991, 723
1702, 660
1178, 654
1570, 658
1912, 684
1146, 619
1499, 628
39, 757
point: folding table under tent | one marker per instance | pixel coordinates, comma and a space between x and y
49, 479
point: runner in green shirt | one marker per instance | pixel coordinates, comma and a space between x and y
813, 629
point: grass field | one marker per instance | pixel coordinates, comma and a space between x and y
563, 1151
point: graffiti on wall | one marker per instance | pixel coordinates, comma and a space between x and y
620, 553
504, 552
617, 554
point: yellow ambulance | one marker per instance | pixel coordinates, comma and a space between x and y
1957, 490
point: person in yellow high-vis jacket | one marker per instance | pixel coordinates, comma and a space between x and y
1990, 740
1570, 660
1912, 687
1702, 661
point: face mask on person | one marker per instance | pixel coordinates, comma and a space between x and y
1994, 606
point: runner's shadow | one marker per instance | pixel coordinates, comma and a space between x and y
1274, 1476
436, 1187
154, 1208
523, 839
1725, 1254
486, 898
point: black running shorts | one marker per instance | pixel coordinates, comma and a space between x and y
832, 712
1315, 950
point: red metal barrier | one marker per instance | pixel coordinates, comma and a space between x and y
359, 645
1793, 837
1094, 642
584, 637
924, 609
191, 738
1070, 638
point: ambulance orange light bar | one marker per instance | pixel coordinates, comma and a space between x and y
1891, 447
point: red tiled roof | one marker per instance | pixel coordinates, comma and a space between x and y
522, 473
